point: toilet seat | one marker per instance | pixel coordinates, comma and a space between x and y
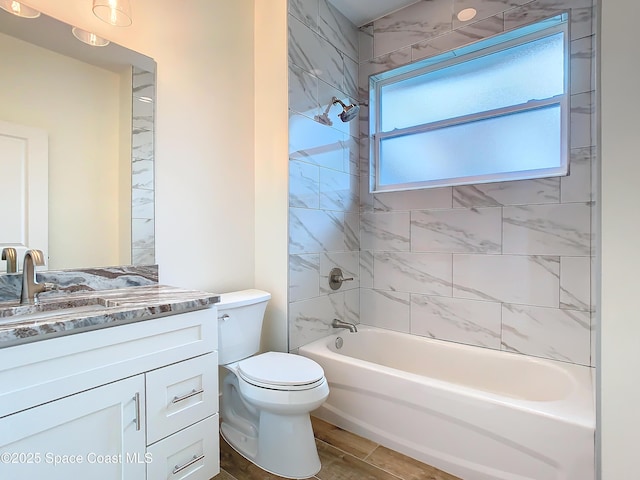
281, 371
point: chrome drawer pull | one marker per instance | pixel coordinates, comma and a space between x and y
136, 420
188, 395
195, 459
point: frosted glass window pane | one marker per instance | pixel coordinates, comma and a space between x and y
517, 142
531, 71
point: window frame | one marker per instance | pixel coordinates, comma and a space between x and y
503, 41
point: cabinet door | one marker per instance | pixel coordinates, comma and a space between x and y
97, 434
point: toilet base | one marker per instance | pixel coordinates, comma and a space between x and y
285, 447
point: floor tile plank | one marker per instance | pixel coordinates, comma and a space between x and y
338, 465
405, 467
339, 438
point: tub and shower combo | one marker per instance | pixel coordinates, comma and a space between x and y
477, 413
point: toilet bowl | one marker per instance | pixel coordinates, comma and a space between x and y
266, 398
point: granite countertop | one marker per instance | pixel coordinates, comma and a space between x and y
72, 313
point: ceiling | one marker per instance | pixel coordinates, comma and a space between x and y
361, 12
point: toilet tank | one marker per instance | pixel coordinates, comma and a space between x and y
240, 316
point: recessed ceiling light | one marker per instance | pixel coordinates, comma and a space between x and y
467, 14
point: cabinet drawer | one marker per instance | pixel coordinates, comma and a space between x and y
190, 454
180, 395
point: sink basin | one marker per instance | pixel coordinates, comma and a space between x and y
36, 316
18, 313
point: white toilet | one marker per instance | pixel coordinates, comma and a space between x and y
266, 398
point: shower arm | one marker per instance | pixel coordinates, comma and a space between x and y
335, 100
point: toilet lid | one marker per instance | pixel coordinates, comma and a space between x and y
281, 371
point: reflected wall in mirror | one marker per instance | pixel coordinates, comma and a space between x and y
96, 106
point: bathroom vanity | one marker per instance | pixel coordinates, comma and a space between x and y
116, 384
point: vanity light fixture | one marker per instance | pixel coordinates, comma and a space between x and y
89, 38
19, 9
114, 12
467, 14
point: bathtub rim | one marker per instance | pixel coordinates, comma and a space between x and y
577, 408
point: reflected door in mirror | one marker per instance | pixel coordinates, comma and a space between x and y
24, 194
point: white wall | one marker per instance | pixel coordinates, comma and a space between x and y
204, 132
620, 320
271, 166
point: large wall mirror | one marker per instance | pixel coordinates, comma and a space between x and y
93, 107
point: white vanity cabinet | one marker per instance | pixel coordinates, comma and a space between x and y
132, 402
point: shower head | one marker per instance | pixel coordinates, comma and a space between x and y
349, 112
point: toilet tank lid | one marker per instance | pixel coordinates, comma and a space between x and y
242, 297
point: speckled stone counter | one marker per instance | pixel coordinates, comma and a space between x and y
66, 314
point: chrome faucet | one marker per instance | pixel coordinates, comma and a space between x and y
30, 287
340, 324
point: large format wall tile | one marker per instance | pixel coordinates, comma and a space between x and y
338, 191
576, 187
442, 44
580, 16
304, 276
575, 283
313, 231
384, 231
413, 272
311, 319
413, 199
560, 229
465, 321
303, 92
411, 25
312, 142
518, 192
477, 230
547, 332
304, 189
385, 309
314, 54
529, 280
582, 71
306, 11
336, 28
484, 8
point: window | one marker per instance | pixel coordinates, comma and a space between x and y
492, 111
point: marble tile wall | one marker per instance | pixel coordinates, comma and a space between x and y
323, 170
142, 176
505, 265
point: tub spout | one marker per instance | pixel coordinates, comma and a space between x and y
340, 324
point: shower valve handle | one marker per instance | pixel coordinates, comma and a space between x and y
336, 278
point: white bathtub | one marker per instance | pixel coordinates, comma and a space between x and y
477, 413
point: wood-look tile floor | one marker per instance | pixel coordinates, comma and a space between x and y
344, 456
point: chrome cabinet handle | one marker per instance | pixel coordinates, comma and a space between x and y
195, 459
136, 398
188, 395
